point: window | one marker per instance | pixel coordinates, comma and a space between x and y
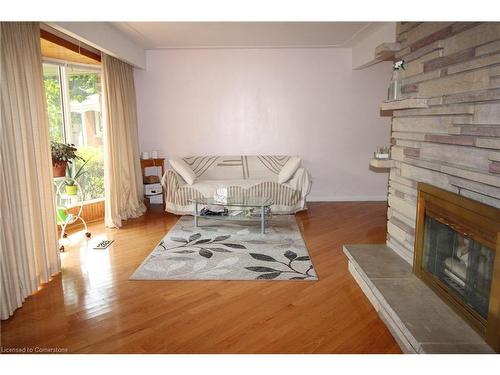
74, 109
52, 80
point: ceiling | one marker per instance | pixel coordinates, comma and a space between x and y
155, 35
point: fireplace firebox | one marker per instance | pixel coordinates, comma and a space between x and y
457, 253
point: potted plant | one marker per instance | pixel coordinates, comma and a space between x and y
71, 187
382, 152
62, 154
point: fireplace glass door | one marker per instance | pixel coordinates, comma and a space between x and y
457, 253
464, 265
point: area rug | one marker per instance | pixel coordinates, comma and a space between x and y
228, 250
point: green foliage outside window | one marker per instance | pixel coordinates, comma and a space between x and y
54, 108
81, 86
92, 181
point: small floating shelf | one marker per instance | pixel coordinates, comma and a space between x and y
404, 104
383, 52
382, 163
387, 50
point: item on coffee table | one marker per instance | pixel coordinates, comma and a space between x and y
206, 212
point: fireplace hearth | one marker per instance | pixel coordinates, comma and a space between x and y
457, 253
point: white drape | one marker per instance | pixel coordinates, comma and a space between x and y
122, 175
29, 252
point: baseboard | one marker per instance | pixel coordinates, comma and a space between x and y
347, 198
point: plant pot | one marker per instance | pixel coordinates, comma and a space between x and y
62, 214
59, 169
71, 189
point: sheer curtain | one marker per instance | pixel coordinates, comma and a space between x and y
122, 174
29, 251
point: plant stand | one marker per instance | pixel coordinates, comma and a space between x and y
65, 202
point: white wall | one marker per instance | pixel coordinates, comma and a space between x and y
269, 101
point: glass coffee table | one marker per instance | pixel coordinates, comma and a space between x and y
236, 209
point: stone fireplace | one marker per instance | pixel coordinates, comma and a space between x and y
456, 245
446, 155
445, 137
453, 140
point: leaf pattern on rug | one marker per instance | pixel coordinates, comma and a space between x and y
267, 273
232, 251
193, 244
271, 273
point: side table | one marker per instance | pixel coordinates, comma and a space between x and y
146, 163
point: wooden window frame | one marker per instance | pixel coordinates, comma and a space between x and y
44, 34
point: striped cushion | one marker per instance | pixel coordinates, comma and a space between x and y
263, 167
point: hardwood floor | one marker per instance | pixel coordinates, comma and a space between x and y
93, 308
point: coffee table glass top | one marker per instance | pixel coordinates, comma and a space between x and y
235, 201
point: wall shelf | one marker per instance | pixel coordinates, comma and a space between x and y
382, 163
383, 52
387, 50
410, 103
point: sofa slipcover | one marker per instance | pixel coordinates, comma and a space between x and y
244, 176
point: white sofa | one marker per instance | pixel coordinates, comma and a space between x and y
243, 176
